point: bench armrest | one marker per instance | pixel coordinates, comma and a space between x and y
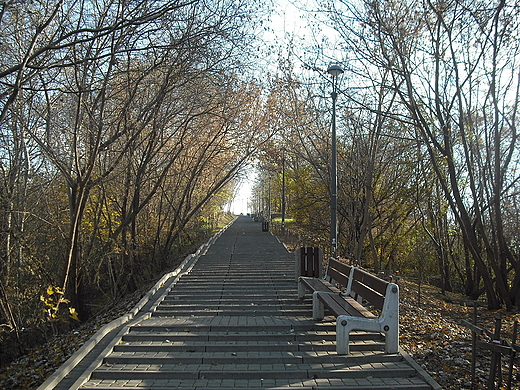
388, 323
350, 280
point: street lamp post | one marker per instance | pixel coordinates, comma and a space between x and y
334, 71
283, 192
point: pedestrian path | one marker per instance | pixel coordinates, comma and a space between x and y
232, 320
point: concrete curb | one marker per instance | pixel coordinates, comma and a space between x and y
66, 368
85, 375
420, 371
281, 242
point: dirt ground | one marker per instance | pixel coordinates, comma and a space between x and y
433, 334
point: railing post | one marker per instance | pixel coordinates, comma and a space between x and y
474, 345
495, 356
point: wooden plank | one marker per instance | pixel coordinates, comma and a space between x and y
372, 296
370, 280
303, 256
317, 284
494, 347
476, 329
338, 276
340, 266
340, 306
360, 308
316, 262
310, 261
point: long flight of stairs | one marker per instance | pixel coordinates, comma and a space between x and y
235, 322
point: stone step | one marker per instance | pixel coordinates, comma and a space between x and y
245, 336
281, 312
247, 273
195, 324
237, 272
246, 261
247, 357
231, 275
250, 273
194, 286
246, 269
223, 295
237, 296
199, 286
173, 299
236, 300
252, 371
239, 288
243, 346
258, 384
233, 305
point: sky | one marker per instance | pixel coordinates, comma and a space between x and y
288, 21
239, 205
286, 18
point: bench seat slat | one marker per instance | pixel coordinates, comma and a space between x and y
363, 311
318, 285
339, 305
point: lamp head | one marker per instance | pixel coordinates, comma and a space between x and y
335, 70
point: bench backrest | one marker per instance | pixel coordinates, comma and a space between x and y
369, 287
338, 271
363, 284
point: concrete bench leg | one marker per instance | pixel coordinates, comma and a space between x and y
390, 318
301, 290
342, 335
318, 309
391, 338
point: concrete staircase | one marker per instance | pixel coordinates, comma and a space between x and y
235, 322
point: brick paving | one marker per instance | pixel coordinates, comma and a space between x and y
230, 319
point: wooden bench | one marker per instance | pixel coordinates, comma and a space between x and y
348, 292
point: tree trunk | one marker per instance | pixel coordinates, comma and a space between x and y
78, 196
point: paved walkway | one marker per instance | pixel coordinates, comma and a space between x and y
230, 318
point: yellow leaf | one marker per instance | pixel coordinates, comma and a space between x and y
73, 314
58, 290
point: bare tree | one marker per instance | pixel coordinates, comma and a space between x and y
454, 67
